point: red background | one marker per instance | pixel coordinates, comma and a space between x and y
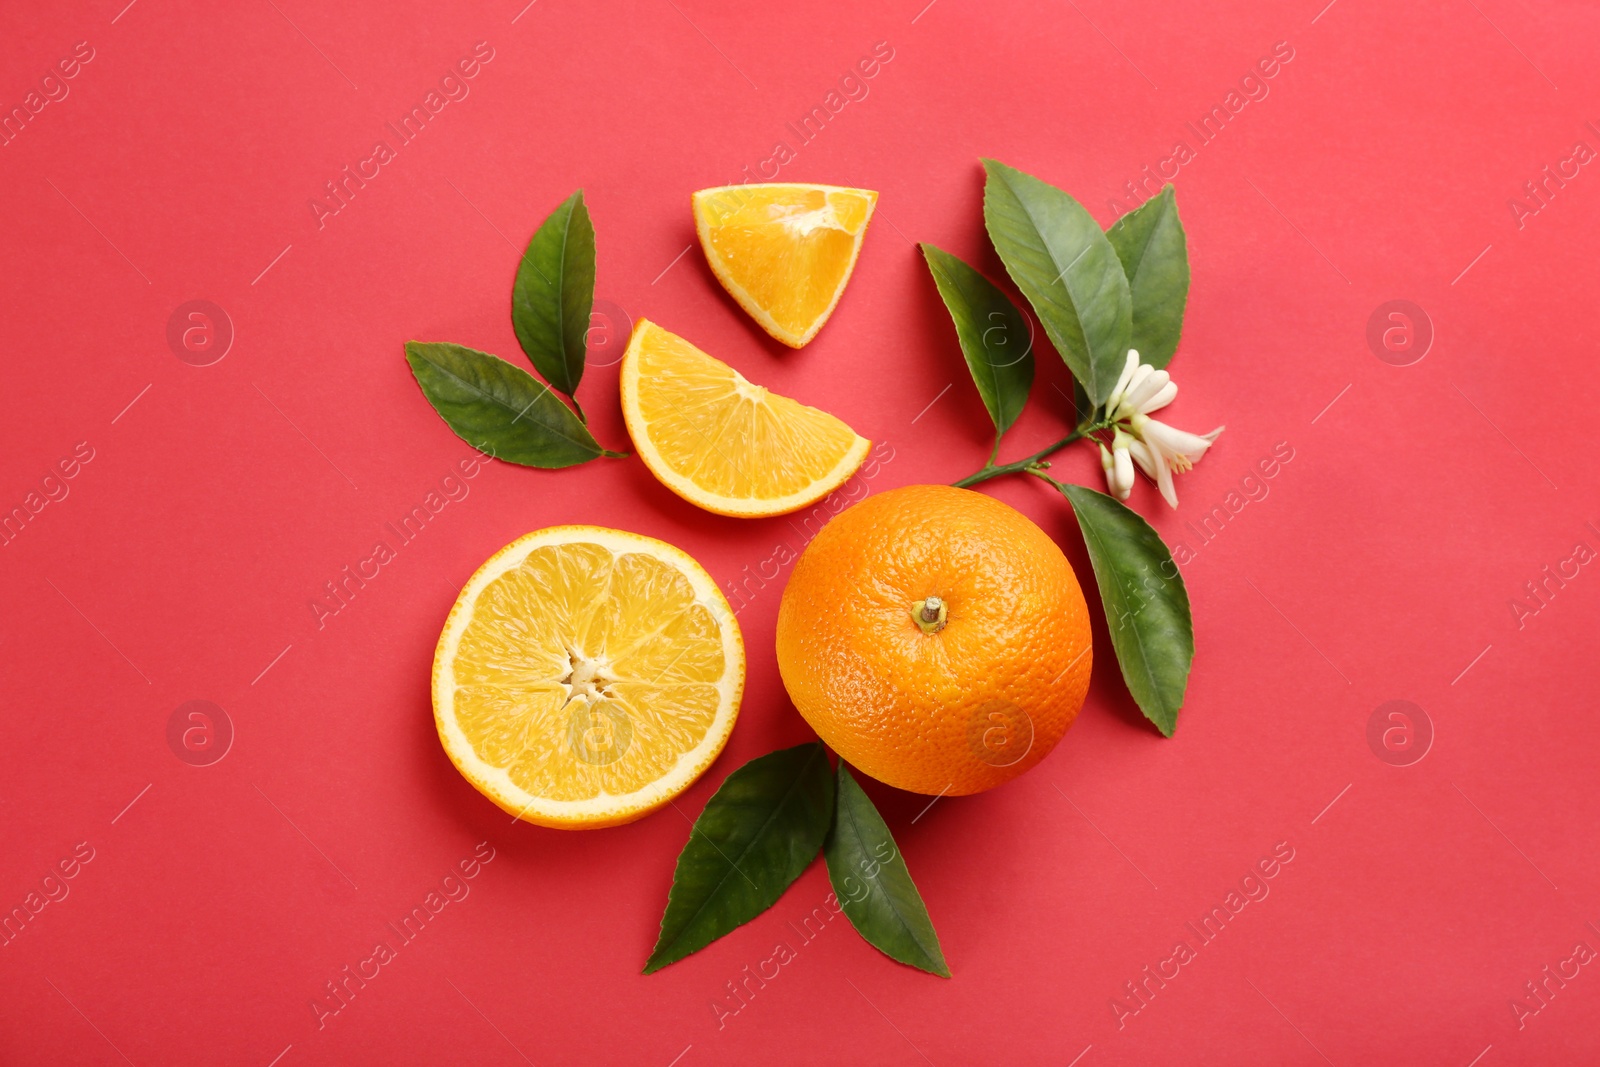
1381, 565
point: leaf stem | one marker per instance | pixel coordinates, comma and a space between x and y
1039, 473
991, 470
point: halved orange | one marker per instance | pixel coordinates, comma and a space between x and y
587, 676
723, 443
784, 251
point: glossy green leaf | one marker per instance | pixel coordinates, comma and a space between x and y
872, 884
993, 334
554, 293
1063, 263
1155, 256
758, 832
1147, 607
498, 408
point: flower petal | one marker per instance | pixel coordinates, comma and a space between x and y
1109, 466
1166, 395
1164, 479
1140, 373
1175, 442
1122, 380
1143, 457
1122, 485
1153, 383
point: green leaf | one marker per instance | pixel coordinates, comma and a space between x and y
1155, 256
756, 835
1063, 263
994, 336
1147, 608
554, 293
498, 408
870, 879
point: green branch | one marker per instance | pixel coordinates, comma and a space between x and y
993, 470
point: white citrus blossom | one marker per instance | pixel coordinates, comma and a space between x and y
1159, 450
1118, 465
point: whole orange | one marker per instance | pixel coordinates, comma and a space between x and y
936, 639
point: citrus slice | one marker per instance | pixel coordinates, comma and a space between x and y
722, 443
587, 676
784, 251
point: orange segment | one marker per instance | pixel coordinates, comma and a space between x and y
723, 443
784, 251
587, 676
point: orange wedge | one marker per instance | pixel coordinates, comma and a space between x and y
723, 443
784, 251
